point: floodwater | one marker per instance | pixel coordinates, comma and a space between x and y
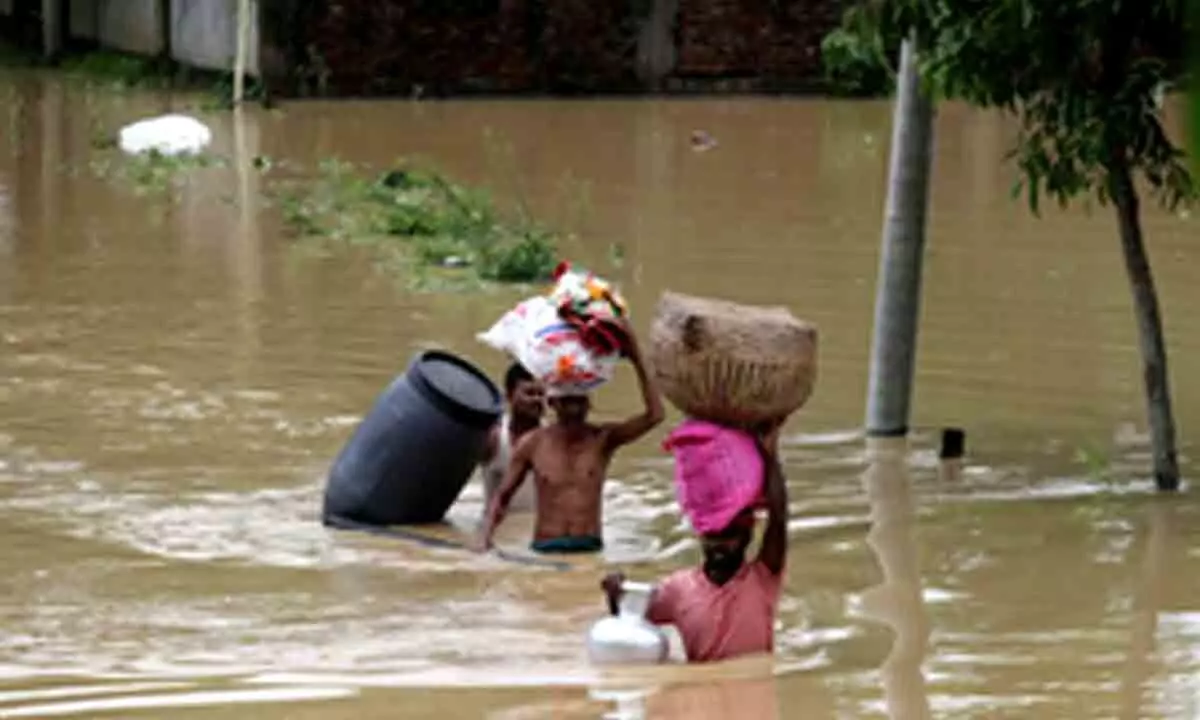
175, 377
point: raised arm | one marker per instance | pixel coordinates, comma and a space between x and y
773, 553
518, 468
623, 433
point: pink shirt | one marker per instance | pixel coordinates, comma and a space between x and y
718, 622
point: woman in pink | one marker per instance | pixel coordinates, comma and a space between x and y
726, 607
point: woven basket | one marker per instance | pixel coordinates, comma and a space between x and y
732, 364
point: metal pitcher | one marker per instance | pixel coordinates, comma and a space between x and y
628, 638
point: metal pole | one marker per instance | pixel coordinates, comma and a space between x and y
898, 290
243, 41
52, 29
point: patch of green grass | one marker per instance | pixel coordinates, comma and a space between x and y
1096, 463
418, 218
151, 173
520, 254
115, 68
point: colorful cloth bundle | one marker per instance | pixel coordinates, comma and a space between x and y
592, 306
569, 339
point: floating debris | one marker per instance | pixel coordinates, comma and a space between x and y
166, 135
702, 141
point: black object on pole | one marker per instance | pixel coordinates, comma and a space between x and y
954, 441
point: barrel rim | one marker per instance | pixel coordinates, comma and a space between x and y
461, 411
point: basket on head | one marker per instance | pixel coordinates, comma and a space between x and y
729, 363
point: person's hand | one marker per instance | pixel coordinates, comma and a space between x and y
612, 582
612, 587
629, 342
768, 438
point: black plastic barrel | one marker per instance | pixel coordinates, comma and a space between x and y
409, 458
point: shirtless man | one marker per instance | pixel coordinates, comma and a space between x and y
569, 461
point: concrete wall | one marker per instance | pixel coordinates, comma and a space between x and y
203, 32
402, 47
129, 25
448, 47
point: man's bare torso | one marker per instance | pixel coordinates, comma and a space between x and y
569, 467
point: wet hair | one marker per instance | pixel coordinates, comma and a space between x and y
515, 375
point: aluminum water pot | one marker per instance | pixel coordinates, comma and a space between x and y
628, 638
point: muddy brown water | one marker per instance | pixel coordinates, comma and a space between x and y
175, 378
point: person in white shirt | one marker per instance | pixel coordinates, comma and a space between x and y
526, 404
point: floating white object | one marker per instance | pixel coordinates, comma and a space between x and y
166, 134
628, 638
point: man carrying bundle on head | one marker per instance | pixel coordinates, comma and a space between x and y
571, 341
738, 372
725, 607
569, 461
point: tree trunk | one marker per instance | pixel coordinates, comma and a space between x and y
1149, 325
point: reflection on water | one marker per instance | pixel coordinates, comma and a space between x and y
735, 689
176, 376
720, 699
897, 601
173, 700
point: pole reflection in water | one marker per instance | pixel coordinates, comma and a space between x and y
1139, 668
50, 111
897, 600
7, 246
245, 255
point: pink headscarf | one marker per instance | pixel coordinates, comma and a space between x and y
718, 473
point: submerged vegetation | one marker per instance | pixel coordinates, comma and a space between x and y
420, 217
152, 173
413, 219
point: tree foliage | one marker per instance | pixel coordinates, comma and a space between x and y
1083, 76
858, 56
1194, 84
